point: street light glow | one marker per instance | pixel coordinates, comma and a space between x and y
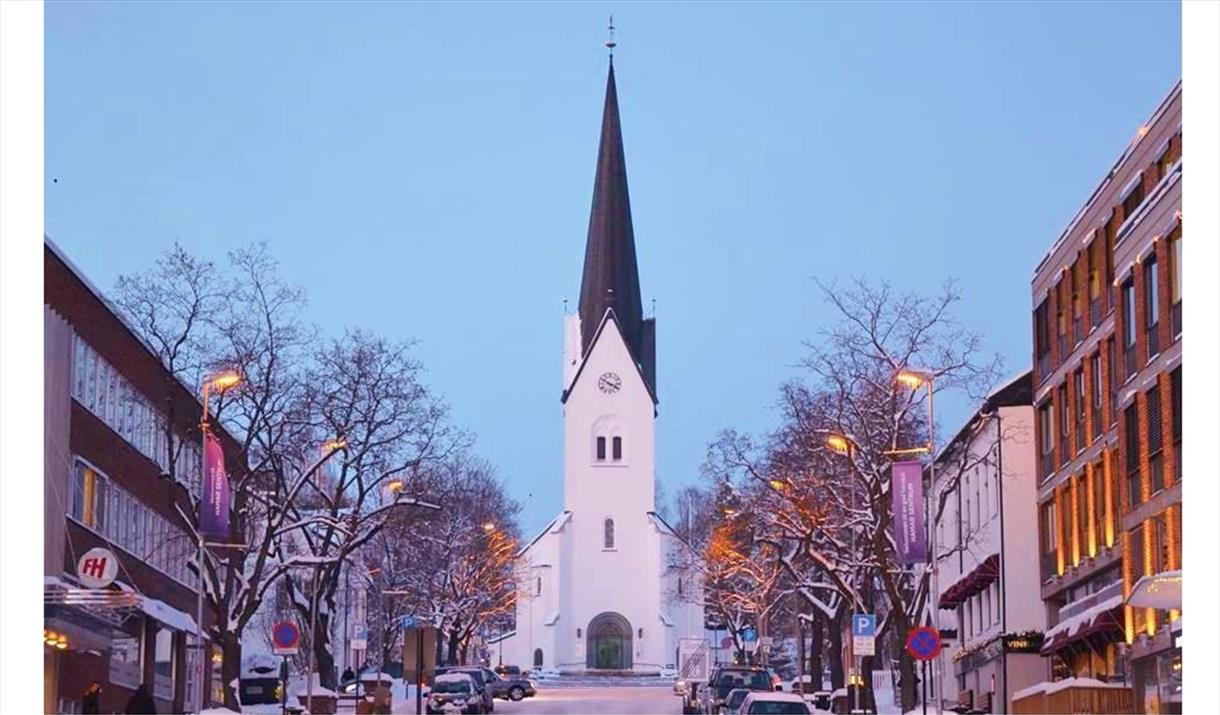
335, 445
838, 443
489, 526
396, 486
222, 381
911, 379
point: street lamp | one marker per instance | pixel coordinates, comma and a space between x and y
845, 445
216, 382
915, 379
489, 527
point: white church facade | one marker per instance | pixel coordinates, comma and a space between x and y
607, 585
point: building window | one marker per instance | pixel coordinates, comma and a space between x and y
1134, 495
1042, 340
1064, 417
1078, 384
537, 657
1129, 326
125, 660
1099, 504
1046, 438
616, 444
1095, 369
1165, 162
1061, 320
1049, 541
601, 449
679, 586
163, 666
1113, 380
1175, 280
1136, 555
537, 585
1160, 544
1094, 269
1152, 306
609, 534
1082, 515
1175, 404
1156, 466
1133, 199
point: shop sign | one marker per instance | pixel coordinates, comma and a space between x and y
1023, 643
97, 568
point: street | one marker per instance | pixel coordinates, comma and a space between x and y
642, 699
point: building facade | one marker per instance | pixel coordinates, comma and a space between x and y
988, 587
1107, 324
608, 586
117, 472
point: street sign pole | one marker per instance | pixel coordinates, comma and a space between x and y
419, 671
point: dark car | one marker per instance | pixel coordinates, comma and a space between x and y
508, 670
727, 678
479, 676
507, 686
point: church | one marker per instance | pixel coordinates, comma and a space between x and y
607, 585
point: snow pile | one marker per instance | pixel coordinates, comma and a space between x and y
168, 615
217, 711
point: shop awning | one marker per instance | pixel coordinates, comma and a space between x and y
1163, 591
972, 583
1105, 617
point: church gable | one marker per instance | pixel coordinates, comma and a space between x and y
609, 347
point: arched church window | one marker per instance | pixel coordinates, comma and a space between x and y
609, 533
617, 448
537, 657
538, 587
601, 449
641, 633
679, 586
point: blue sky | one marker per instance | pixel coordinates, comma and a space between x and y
426, 171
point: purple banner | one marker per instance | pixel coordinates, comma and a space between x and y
214, 518
906, 499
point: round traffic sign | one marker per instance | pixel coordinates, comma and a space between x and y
285, 634
923, 643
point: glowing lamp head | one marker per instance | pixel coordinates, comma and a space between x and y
335, 444
226, 380
489, 526
838, 443
777, 484
395, 486
910, 378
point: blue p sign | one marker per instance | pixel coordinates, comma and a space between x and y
864, 624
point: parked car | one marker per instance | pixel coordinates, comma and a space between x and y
732, 702
725, 678
773, 703
508, 687
479, 675
508, 670
454, 690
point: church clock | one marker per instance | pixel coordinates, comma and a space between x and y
609, 383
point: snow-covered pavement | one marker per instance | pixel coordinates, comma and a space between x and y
595, 701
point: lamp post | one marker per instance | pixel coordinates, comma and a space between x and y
914, 379
845, 445
219, 382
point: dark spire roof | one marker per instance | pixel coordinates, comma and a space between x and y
611, 279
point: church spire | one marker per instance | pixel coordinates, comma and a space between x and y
611, 279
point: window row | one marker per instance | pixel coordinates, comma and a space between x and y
1082, 297
1152, 446
979, 613
97, 503
102, 390
1153, 308
1079, 521
1076, 413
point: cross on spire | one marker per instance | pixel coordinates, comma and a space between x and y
611, 44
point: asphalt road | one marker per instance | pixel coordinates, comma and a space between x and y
595, 701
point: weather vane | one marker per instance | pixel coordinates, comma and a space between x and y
611, 43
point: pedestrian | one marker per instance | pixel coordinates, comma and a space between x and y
92, 701
141, 703
348, 676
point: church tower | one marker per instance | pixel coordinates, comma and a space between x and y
602, 589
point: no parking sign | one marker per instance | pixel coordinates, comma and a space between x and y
286, 638
923, 643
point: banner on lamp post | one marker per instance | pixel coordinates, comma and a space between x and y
214, 516
906, 502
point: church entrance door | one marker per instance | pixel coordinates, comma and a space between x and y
609, 646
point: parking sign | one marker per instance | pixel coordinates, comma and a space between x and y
863, 633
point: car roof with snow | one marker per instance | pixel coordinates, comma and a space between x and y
454, 678
771, 697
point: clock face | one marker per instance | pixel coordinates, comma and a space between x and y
609, 383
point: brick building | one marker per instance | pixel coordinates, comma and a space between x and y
116, 476
1107, 322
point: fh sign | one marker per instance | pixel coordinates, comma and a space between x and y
97, 568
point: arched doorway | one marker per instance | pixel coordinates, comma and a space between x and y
609, 643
